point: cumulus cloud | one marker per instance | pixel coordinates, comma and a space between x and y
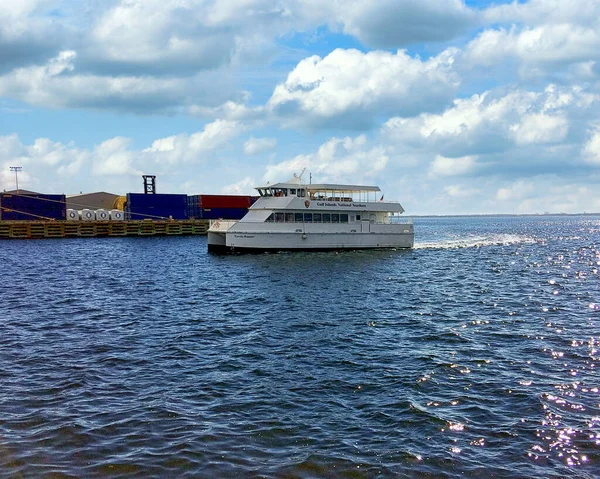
28, 34
255, 146
348, 88
114, 157
49, 164
518, 190
539, 40
535, 12
591, 149
539, 128
243, 187
337, 160
492, 124
191, 148
57, 85
398, 23
46, 163
458, 191
442, 166
157, 36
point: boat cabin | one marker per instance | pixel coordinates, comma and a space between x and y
326, 192
278, 191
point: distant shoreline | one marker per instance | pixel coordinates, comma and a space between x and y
487, 215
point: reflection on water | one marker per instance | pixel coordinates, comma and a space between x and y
475, 354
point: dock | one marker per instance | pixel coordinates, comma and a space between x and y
99, 229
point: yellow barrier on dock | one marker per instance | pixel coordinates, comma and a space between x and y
96, 229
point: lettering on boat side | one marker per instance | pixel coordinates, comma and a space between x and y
355, 205
243, 236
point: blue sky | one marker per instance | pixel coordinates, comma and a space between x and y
451, 107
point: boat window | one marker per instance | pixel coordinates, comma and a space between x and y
292, 191
289, 217
316, 217
271, 218
335, 217
326, 218
279, 191
301, 193
343, 218
357, 217
279, 218
308, 217
298, 217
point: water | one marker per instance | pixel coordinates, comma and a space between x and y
474, 355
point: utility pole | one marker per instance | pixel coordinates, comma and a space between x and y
16, 169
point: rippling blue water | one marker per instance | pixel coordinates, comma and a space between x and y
474, 355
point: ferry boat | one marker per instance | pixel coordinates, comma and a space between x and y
293, 216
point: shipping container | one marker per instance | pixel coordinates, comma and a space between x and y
32, 207
223, 213
155, 214
141, 206
224, 201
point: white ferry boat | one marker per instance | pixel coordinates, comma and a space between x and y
293, 216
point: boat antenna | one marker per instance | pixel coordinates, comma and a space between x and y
300, 175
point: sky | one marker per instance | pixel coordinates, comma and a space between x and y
449, 106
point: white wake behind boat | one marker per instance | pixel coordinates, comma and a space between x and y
293, 216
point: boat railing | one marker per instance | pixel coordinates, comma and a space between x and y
402, 220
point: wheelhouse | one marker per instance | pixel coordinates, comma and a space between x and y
274, 191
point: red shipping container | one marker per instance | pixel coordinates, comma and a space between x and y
224, 201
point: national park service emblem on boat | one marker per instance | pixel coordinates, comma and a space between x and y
307, 203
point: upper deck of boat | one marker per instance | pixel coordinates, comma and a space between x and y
322, 187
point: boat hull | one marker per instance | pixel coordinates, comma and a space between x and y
256, 242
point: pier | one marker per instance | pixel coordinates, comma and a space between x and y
97, 229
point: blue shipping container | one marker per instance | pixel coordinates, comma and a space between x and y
141, 199
32, 207
141, 206
157, 214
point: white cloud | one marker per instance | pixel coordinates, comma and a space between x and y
443, 166
45, 163
48, 164
27, 33
193, 148
396, 23
516, 191
348, 88
540, 128
458, 191
537, 12
255, 146
242, 187
539, 40
494, 123
113, 157
337, 160
57, 84
591, 149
